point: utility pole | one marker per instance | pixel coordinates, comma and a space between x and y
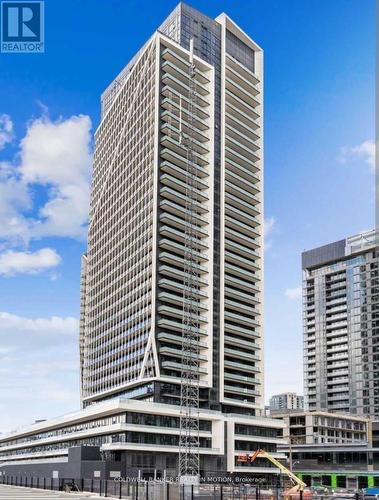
290, 452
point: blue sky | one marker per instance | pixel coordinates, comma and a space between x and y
319, 183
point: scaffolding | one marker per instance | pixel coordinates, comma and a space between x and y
189, 441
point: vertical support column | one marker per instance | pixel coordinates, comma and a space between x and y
334, 480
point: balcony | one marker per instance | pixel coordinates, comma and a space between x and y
180, 223
240, 354
179, 262
182, 76
176, 339
178, 248
242, 216
250, 174
179, 86
239, 91
169, 232
178, 159
179, 274
240, 331
183, 64
176, 312
197, 146
250, 209
240, 272
180, 150
243, 139
171, 365
343, 349
178, 300
177, 353
238, 149
240, 318
242, 128
242, 239
171, 117
178, 185
240, 104
238, 68
177, 326
178, 287
241, 249
247, 345
240, 390
172, 102
239, 75
242, 227
241, 366
237, 294
179, 198
241, 284
242, 379
331, 356
242, 183
180, 211
234, 113
238, 306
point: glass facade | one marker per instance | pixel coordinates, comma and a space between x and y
341, 331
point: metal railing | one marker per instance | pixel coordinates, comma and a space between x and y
166, 490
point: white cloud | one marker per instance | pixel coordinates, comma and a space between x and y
12, 263
269, 229
57, 156
38, 364
293, 293
6, 130
13, 326
14, 202
56, 152
269, 225
364, 151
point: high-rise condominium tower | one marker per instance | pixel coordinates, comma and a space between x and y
341, 325
134, 269
172, 115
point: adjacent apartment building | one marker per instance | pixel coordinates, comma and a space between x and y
331, 449
318, 427
133, 272
341, 326
287, 401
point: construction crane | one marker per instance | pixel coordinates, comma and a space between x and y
299, 485
189, 441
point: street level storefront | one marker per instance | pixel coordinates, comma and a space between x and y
335, 466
